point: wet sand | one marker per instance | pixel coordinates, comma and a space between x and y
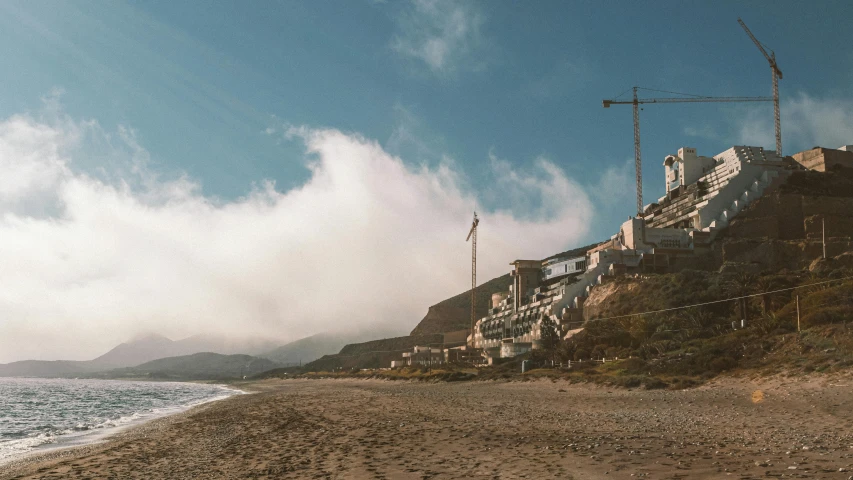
733, 428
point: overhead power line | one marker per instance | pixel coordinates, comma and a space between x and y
719, 301
648, 312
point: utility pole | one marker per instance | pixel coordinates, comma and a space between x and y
823, 235
798, 313
472, 235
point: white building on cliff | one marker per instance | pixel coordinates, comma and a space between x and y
702, 195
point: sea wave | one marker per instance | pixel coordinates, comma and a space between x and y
76, 412
11, 449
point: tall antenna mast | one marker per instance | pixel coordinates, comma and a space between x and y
472, 235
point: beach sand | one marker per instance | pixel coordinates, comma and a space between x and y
731, 428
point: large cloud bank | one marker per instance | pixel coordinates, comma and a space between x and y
96, 246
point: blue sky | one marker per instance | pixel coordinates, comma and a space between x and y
402, 115
200, 84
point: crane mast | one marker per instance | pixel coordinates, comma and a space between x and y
777, 75
636, 102
472, 235
638, 163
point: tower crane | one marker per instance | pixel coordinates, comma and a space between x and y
636, 102
777, 75
472, 235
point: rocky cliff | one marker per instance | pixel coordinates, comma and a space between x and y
455, 312
783, 230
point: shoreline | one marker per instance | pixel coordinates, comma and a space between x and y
68, 444
538, 429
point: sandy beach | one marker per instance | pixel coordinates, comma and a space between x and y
732, 428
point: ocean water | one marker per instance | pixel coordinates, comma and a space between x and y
42, 413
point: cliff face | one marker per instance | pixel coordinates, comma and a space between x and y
603, 298
455, 312
784, 229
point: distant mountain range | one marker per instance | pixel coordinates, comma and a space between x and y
152, 347
144, 349
198, 366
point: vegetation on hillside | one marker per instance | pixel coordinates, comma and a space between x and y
690, 345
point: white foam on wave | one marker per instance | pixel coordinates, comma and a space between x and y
82, 434
12, 449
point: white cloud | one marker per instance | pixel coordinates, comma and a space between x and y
705, 131
616, 186
443, 34
107, 248
806, 121
410, 139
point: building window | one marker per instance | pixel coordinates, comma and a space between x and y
670, 243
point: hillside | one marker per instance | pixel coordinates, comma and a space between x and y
372, 354
151, 347
680, 348
139, 350
686, 346
310, 348
783, 230
455, 312
135, 352
198, 366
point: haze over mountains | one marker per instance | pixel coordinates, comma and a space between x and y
313, 347
152, 347
147, 348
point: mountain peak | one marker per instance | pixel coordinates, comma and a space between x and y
148, 337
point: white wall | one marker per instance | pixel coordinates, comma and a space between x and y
685, 168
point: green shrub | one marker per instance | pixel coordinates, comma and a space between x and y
654, 383
827, 314
630, 381
634, 365
721, 364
